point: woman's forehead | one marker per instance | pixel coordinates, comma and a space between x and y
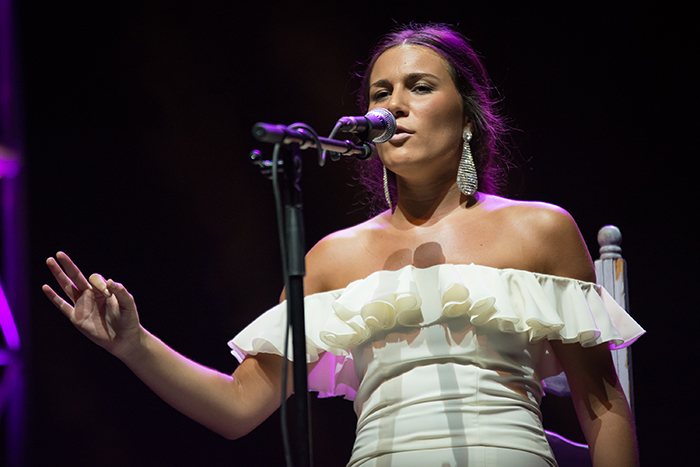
406, 59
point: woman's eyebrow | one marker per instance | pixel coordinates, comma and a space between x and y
417, 76
381, 82
410, 77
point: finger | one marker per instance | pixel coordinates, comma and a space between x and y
100, 284
61, 304
124, 298
64, 281
72, 271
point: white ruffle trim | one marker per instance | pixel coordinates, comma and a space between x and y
543, 306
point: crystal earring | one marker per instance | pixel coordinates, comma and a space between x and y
387, 195
466, 173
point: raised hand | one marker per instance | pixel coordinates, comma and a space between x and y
104, 311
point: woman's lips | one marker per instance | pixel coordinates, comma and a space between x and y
400, 137
401, 134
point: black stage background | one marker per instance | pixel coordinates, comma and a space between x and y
138, 118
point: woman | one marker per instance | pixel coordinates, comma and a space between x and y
447, 312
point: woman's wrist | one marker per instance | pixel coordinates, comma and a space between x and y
135, 348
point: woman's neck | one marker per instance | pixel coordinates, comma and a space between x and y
421, 204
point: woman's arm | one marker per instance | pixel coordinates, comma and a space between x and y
601, 406
600, 402
231, 405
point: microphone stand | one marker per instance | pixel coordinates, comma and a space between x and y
289, 141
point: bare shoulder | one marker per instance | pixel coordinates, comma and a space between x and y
549, 233
532, 218
341, 257
535, 211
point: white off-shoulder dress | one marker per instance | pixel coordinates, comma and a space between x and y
445, 364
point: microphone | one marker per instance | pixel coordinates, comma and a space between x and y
379, 124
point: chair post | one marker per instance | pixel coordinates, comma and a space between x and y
611, 273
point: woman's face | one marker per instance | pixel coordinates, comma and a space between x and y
415, 84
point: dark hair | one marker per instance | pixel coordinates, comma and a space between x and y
472, 83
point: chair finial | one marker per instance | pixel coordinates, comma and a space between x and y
610, 239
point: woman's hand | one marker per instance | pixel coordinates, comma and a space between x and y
104, 311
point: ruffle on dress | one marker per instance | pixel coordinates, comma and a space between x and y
541, 305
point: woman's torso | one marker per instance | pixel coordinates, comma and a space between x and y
449, 385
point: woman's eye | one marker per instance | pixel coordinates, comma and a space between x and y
380, 95
422, 88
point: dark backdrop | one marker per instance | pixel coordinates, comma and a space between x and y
138, 118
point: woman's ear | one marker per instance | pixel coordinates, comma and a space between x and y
467, 125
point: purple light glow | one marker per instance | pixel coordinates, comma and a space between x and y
13, 239
7, 323
8, 384
9, 163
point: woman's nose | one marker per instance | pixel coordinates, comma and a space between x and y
397, 105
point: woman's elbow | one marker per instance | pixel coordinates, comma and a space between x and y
232, 431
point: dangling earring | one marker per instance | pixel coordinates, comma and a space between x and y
466, 173
387, 195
